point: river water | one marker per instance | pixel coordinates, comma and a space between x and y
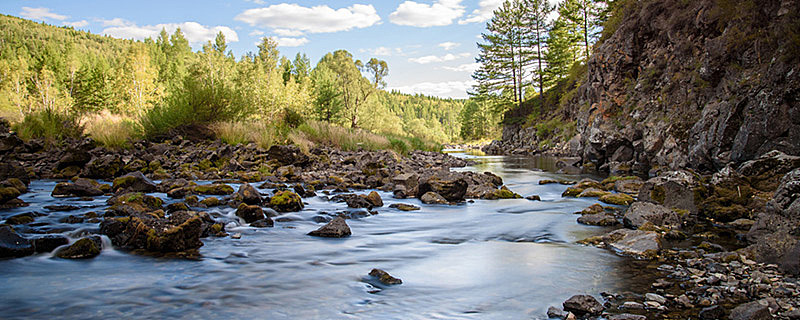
503, 259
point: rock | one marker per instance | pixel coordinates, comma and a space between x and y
631, 305
67, 189
409, 181
134, 182
655, 297
750, 311
287, 155
639, 243
8, 141
179, 233
82, 249
602, 219
583, 305
433, 198
640, 212
534, 197
775, 236
502, 193
104, 167
177, 206
375, 199
219, 189
742, 224
236, 236
13, 169
133, 203
13, 245
15, 183
337, 228
286, 201
62, 208
627, 316
263, 223
554, 312
74, 157
765, 172
404, 207
384, 277
617, 199
21, 218
592, 193
248, 194
211, 202
712, 313
449, 185
629, 186
672, 189
249, 213
49, 243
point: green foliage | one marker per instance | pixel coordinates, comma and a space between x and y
50, 125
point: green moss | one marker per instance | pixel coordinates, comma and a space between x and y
613, 179
572, 192
8, 193
658, 194
210, 202
215, 189
592, 193
124, 219
216, 228
122, 182
617, 198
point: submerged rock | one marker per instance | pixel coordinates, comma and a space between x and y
49, 243
134, 182
449, 185
67, 189
82, 249
13, 245
384, 277
583, 305
404, 206
337, 228
433, 198
249, 213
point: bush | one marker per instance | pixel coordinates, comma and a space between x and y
50, 125
112, 131
263, 134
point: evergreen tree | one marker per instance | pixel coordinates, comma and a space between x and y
535, 26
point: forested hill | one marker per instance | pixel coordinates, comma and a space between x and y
159, 84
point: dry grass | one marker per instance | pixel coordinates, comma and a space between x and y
342, 138
263, 134
112, 130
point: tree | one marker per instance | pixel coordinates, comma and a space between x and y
301, 67
583, 18
352, 86
534, 21
327, 97
561, 52
135, 83
503, 57
219, 43
378, 69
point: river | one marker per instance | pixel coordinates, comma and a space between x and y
503, 259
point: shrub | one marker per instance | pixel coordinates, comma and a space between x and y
50, 125
113, 131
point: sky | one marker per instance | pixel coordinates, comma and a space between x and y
429, 45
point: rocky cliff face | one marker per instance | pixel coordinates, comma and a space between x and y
688, 84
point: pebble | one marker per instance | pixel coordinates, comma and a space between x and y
236, 236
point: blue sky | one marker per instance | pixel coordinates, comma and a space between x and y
428, 44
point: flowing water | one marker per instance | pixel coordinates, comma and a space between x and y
504, 259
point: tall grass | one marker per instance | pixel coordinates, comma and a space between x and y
263, 134
50, 125
113, 131
323, 133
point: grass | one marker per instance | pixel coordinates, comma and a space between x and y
113, 131
264, 134
50, 125
312, 133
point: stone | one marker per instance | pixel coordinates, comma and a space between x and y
15, 183
534, 197
449, 185
21, 218
177, 206
13, 245
286, 201
211, 202
248, 194
502, 193
433, 198
592, 193
263, 223
632, 305
384, 277
627, 316
375, 199
583, 305
555, 312
640, 212
84, 248
638, 243
775, 236
133, 203
67, 189
134, 182
603, 219
617, 199
672, 189
249, 213
104, 167
9, 141
337, 228
404, 207
181, 232
236, 236
629, 186
219, 189
287, 155
655, 297
750, 311
49, 243
712, 313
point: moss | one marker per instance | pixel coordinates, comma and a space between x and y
81, 249
122, 182
124, 219
503, 193
572, 192
592, 193
8, 193
215, 189
216, 228
210, 202
285, 201
613, 179
617, 198
681, 212
658, 194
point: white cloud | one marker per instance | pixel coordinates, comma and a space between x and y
379, 51
452, 89
116, 22
194, 32
288, 33
317, 19
484, 12
432, 59
41, 14
467, 67
256, 33
449, 45
77, 24
291, 42
416, 14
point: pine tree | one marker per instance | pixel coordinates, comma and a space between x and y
535, 26
503, 56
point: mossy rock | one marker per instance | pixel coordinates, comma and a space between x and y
82, 249
617, 199
572, 192
8, 193
613, 179
211, 202
20, 219
592, 193
286, 201
214, 189
502, 193
15, 183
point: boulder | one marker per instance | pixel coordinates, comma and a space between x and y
13, 245
775, 236
14, 183
84, 248
249, 213
502, 193
75, 157
375, 199
407, 180
583, 305
384, 277
672, 189
68, 189
601, 219
404, 207
134, 182
627, 316
638, 243
617, 199
640, 212
13, 169
712, 313
180, 233
592, 193
133, 203
219, 189
287, 155
248, 194
8, 193
49, 243
9, 141
751, 311
449, 185
337, 228
629, 186
286, 201
263, 223
104, 167
433, 198
765, 172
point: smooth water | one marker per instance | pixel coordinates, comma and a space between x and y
504, 259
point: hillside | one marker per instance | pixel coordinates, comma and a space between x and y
697, 84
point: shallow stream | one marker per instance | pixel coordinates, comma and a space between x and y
503, 259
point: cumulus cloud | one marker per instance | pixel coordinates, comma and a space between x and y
256, 33
194, 32
77, 24
41, 14
467, 67
317, 19
116, 22
432, 59
291, 42
483, 13
450, 89
288, 33
449, 45
440, 13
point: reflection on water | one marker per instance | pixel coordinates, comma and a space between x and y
506, 259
